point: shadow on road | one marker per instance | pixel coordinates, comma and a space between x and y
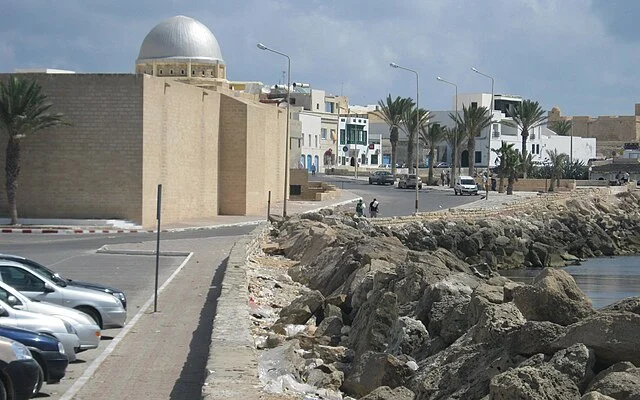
193, 374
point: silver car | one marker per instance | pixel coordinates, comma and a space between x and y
61, 330
106, 310
86, 328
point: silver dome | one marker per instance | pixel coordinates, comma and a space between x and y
178, 38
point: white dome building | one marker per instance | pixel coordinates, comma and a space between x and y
181, 47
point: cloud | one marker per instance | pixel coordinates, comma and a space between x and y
570, 53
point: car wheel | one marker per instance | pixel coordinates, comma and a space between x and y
420, 187
38, 386
93, 313
3, 391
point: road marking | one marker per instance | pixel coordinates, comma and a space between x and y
88, 373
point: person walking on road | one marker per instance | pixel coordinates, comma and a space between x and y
360, 208
373, 208
443, 176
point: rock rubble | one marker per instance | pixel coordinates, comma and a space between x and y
344, 308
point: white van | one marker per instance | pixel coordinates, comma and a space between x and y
465, 184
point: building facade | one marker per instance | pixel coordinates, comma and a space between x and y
215, 151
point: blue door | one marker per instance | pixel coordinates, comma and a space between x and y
309, 162
316, 162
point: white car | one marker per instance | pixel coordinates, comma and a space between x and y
87, 330
465, 184
106, 310
61, 330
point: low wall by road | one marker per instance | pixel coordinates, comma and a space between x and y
232, 367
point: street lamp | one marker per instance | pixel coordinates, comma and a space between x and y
456, 86
286, 151
394, 65
490, 132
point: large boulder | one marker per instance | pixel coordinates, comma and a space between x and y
596, 396
301, 308
386, 393
533, 383
372, 324
630, 304
612, 336
620, 381
555, 297
373, 370
577, 363
407, 336
535, 337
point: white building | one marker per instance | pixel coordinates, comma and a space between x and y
540, 138
355, 144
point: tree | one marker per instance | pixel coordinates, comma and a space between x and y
474, 120
513, 165
502, 152
561, 127
24, 110
410, 127
431, 135
455, 137
392, 112
527, 115
556, 163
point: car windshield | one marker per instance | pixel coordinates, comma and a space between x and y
467, 181
46, 272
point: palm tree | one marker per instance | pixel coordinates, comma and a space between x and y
409, 126
431, 135
392, 112
512, 167
474, 120
23, 111
502, 152
561, 127
527, 116
455, 137
557, 163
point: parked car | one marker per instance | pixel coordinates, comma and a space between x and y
106, 310
45, 349
59, 279
465, 185
18, 370
87, 330
382, 178
410, 181
61, 330
443, 164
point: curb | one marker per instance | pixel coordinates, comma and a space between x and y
106, 250
232, 365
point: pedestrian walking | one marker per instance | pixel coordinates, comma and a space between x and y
373, 208
448, 178
360, 208
313, 169
443, 176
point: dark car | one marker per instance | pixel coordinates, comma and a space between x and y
45, 349
382, 178
60, 280
19, 371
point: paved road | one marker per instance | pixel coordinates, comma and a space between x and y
399, 202
75, 257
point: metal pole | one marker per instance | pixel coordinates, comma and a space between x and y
287, 140
571, 145
269, 205
158, 208
417, 134
490, 132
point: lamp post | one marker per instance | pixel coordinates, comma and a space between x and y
286, 147
394, 65
490, 132
456, 86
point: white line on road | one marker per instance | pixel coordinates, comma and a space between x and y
88, 373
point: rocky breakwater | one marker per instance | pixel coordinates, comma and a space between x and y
417, 311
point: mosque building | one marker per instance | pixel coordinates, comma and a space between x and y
175, 121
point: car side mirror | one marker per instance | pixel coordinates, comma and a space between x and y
12, 301
48, 288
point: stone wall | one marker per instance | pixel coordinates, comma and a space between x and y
180, 151
91, 168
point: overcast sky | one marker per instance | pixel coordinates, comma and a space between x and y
580, 55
